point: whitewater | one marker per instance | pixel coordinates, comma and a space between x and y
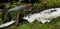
43, 16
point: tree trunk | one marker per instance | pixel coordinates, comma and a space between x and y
17, 19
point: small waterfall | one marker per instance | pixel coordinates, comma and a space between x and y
44, 16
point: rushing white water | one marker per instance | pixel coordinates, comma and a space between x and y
44, 16
7, 24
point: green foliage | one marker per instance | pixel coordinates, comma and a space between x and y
1, 21
48, 3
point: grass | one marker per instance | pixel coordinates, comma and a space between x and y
1, 21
